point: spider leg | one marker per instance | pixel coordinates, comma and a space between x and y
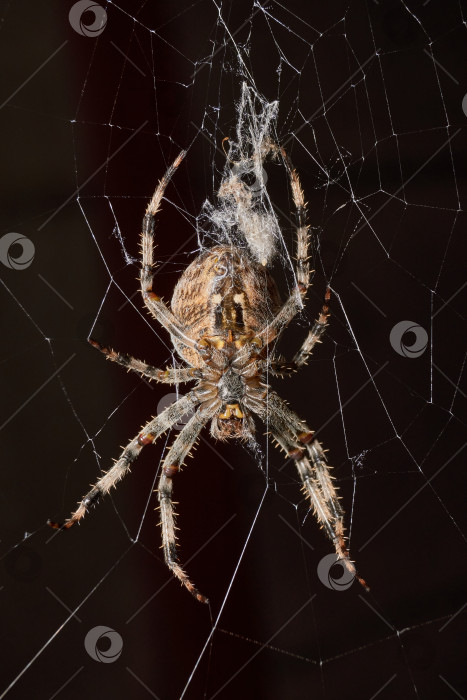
172, 463
154, 303
294, 303
170, 375
280, 367
302, 266
295, 438
150, 432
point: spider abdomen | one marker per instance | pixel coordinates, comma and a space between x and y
222, 291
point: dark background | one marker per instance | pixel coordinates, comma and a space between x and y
370, 94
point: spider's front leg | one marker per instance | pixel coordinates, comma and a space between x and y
154, 303
151, 431
294, 303
172, 463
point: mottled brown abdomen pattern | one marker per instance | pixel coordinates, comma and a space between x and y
216, 281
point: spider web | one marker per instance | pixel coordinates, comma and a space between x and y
371, 109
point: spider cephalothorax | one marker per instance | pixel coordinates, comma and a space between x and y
234, 383
225, 313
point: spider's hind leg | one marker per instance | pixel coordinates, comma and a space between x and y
318, 486
174, 459
151, 431
296, 439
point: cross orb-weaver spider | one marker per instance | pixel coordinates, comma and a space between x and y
225, 312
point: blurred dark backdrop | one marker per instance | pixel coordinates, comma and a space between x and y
89, 124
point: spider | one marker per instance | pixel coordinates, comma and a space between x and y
224, 314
